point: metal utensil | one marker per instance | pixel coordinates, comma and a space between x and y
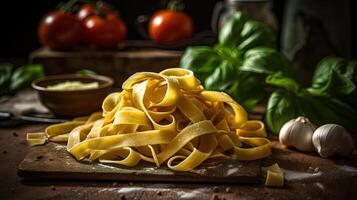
8, 119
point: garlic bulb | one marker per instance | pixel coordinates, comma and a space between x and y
332, 139
298, 133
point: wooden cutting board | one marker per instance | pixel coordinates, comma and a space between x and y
52, 161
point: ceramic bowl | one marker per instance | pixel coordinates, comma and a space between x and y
73, 103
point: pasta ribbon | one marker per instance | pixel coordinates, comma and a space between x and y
274, 176
163, 118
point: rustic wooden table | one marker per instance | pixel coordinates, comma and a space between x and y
307, 176
117, 64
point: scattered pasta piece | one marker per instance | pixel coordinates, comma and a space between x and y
34, 139
274, 176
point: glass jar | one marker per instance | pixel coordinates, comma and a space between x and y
259, 10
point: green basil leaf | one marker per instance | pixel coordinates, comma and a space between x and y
279, 80
24, 75
351, 98
266, 61
201, 60
321, 110
324, 69
284, 105
307, 106
5, 76
280, 109
247, 89
230, 55
334, 77
345, 115
256, 34
221, 77
229, 35
339, 84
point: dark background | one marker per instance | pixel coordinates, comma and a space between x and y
19, 21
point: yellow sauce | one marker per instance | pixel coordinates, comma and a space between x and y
72, 85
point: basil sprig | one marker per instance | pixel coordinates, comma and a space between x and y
331, 98
245, 63
241, 60
13, 80
5, 77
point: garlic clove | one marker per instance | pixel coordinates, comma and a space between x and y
298, 133
332, 139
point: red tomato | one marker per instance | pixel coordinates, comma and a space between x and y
87, 10
59, 30
105, 32
169, 27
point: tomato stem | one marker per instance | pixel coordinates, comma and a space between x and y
70, 5
99, 9
175, 5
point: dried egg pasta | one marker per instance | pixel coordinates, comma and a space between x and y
163, 118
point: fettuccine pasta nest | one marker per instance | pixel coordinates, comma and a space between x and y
162, 118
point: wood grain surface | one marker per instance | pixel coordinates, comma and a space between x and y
52, 161
307, 176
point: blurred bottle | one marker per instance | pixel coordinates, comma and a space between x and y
259, 10
315, 29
